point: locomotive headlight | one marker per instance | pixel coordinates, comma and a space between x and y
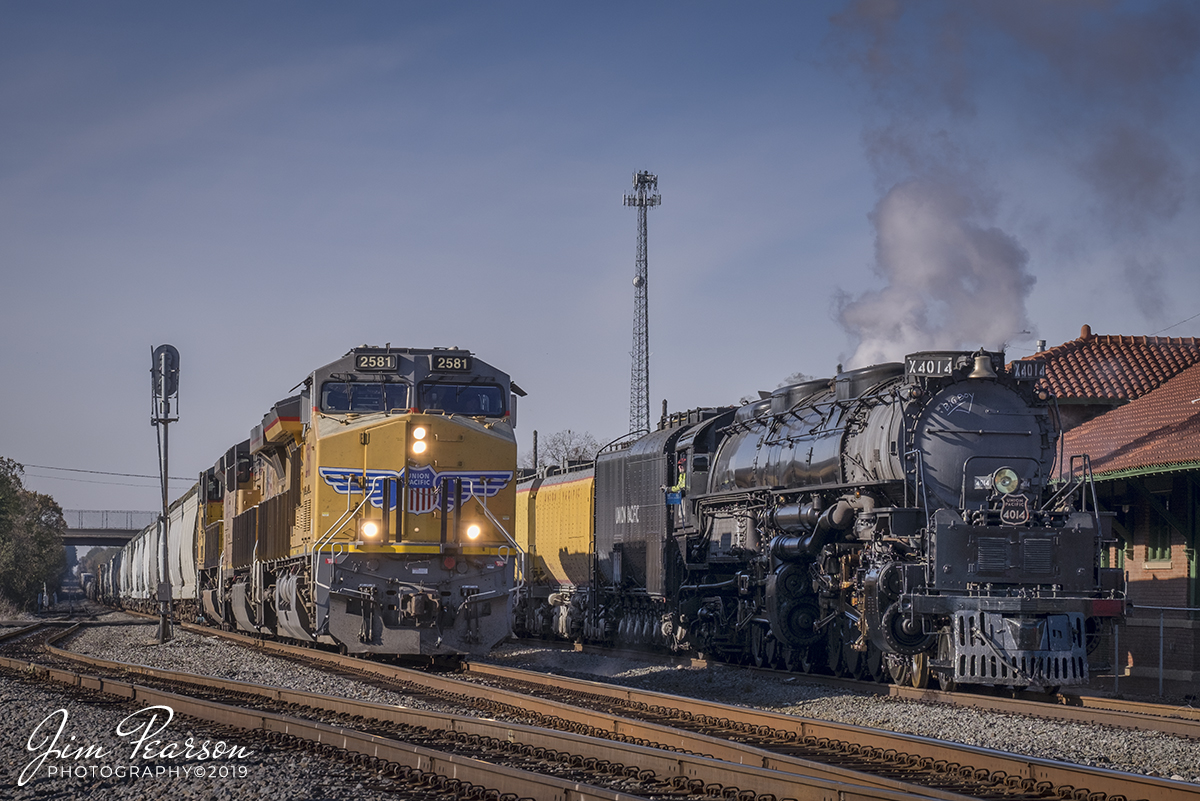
369, 529
473, 532
418, 447
419, 443
1006, 480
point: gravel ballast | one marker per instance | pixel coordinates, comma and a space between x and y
1148, 753
257, 770
1136, 752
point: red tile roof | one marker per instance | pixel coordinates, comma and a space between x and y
1159, 431
1116, 368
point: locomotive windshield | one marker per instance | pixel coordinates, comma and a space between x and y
475, 400
339, 396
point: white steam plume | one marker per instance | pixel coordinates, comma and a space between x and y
1091, 83
952, 281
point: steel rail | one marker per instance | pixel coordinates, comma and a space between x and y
1056, 774
1182, 721
681, 768
465, 771
1178, 721
945, 757
20, 632
1069, 707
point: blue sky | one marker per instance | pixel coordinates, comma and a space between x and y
267, 185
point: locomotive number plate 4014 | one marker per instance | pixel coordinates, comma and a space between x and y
1029, 369
930, 367
1014, 510
376, 361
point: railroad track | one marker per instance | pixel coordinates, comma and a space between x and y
781, 742
1181, 721
482, 758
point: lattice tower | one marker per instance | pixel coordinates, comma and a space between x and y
645, 195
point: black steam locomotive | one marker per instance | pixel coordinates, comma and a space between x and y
902, 520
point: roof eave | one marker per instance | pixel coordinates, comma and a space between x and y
1151, 470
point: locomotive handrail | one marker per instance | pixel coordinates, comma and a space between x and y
977, 431
1073, 483
521, 556
336, 528
639, 432
332, 530
1091, 485
340, 523
920, 459
1061, 439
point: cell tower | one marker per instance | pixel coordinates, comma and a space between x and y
645, 194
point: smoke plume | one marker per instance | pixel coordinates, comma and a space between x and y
1144, 281
951, 280
1087, 85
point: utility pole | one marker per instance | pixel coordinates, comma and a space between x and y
164, 386
645, 195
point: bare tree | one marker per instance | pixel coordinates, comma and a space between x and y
567, 445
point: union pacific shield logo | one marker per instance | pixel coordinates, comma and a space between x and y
425, 485
422, 491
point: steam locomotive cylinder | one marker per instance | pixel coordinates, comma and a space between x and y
814, 527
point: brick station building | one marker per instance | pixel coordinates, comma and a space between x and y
1133, 405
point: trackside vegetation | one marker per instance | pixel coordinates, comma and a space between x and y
31, 540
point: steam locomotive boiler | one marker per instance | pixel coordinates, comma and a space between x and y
902, 518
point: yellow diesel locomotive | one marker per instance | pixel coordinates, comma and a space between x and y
373, 511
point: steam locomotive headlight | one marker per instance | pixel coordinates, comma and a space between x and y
1006, 480
473, 532
369, 529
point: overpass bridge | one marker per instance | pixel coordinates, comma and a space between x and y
103, 527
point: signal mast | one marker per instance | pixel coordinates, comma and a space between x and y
164, 387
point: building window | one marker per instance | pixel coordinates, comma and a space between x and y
1158, 540
1114, 555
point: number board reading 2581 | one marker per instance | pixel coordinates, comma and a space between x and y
449, 363
376, 361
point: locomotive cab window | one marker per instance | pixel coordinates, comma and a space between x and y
340, 396
474, 400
